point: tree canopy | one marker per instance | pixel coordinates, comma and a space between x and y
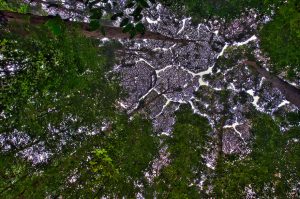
272, 168
63, 133
280, 40
186, 148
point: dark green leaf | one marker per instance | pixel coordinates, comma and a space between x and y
129, 5
128, 27
115, 16
143, 3
132, 33
140, 28
124, 22
96, 13
55, 26
137, 11
94, 25
137, 17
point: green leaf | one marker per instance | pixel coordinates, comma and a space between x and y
128, 27
96, 13
140, 28
23, 9
94, 25
55, 26
143, 3
129, 5
115, 16
124, 22
138, 17
132, 33
137, 11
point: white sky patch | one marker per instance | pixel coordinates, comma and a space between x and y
253, 38
196, 111
202, 82
188, 71
206, 72
151, 21
233, 126
122, 105
183, 25
200, 74
209, 165
163, 49
261, 82
159, 6
143, 60
295, 140
162, 70
256, 98
144, 96
223, 50
284, 102
294, 84
163, 108
232, 87
160, 49
105, 39
141, 98
207, 28
216, 88
180, 101
165, 133
266, 19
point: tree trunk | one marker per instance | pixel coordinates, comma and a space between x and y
290, 92
111, 32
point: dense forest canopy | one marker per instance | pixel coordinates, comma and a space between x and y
149, 99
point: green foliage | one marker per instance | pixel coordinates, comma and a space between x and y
55, 93
186, 147
55, 26
14, 5
271, 165
94, 25
119, 161
280, 39
59, 75
96, 13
